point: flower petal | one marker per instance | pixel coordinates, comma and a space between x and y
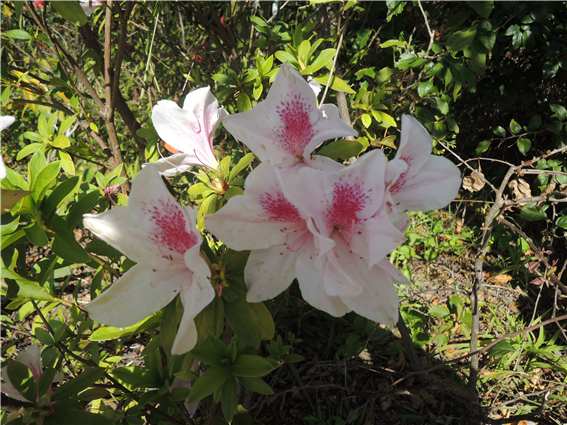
312, 288
118, 228
262, 210
6, 121
32, 359
433, 187
287, 126
378, 301
138, 294
8, 388
269, 272
376, 238
191, 129
194, 297
415, 145
175, 164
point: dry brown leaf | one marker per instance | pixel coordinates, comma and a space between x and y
500, 279
474, 181
428, 398
520, 189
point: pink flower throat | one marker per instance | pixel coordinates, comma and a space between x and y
171, 231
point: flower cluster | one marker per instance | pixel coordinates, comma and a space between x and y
302, 216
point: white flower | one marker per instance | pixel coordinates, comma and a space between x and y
189, 130
161, 236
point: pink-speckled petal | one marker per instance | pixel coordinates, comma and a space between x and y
435, 185
269, 272
262, 210
286, 127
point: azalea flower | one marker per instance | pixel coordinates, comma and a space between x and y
161, 236
328, 228
5, 121
286, 127
32, 359
429, 182
189, 130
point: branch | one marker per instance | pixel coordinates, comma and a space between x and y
429, 31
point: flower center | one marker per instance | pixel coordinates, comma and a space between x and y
296, 131
348, 200
171, 232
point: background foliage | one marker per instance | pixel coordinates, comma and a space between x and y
486, 78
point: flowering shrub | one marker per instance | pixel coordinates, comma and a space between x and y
152, 279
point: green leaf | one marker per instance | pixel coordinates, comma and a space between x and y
248, 321
482, 147
138, 376
501, 349
59, 195
483, 8
366, 120
341, 149
535, 123
323, 59
267, 327
18, 35
228, 399
24, 288
249, 366
337, 84
28, 149
66, 247
22, 379
243, 102
9, 198
256, 385
303, 50
83, 206
559, 112
388, 120
549, 70
439, 311
554, 127
200, 189
524, 145
109, 332
460, 40
425, 88
233, 191
499, 131
45, 380
213, 352
210, 321
71, 11
242, 164
44, 178
210, 205
531, 213
561, 222
394, 8
208, 383
515, 128
63, 415
61, 142
73, 387
284, 56
35, 234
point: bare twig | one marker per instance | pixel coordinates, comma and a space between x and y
429, 31
334, 61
